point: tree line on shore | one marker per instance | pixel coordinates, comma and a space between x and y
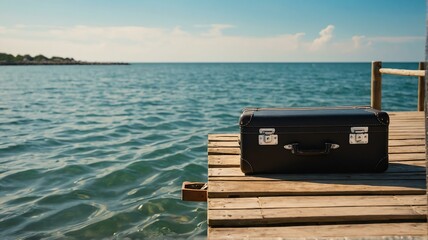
9, 59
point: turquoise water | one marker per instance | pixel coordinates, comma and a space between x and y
101, 151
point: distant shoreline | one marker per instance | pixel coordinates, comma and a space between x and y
61, 64
27, 60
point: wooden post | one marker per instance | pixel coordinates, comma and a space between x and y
376, 94
421, 88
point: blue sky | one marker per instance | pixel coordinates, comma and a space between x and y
216, 31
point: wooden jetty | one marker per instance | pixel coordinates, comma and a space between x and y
323, 206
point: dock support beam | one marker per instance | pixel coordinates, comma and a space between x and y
421, 88
376, 93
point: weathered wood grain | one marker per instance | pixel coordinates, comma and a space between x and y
341, 231
336, 214
316, 201
318, 187
403, 72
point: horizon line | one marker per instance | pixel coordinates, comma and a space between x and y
273, 62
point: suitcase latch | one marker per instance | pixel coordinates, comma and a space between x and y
359, 135
267, 136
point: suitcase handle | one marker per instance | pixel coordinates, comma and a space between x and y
294, 148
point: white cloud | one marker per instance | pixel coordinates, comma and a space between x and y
86, 33
397, 39
216, 30
136, 43
144, 44
361, 41
325, 36
358, 41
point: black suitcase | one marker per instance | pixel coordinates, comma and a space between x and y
314, 140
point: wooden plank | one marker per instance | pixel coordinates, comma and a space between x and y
403, 72
316, 201
395, 169
275, 216
223, 144
409, 119
404, 113
233, 203
234, 160
341, 231
407, 142
223, 161
407, 149
403, 124
342, 201
222, 137
410, 135
402, 137
409, 132
221, 189
405, 157
392, 176
407, 125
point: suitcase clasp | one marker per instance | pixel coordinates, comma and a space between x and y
359, 135
267, 136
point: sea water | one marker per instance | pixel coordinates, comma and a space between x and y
101, 151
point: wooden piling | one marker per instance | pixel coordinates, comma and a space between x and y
376, 83
421, 88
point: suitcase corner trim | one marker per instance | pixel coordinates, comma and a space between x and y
246, 117
246, 166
